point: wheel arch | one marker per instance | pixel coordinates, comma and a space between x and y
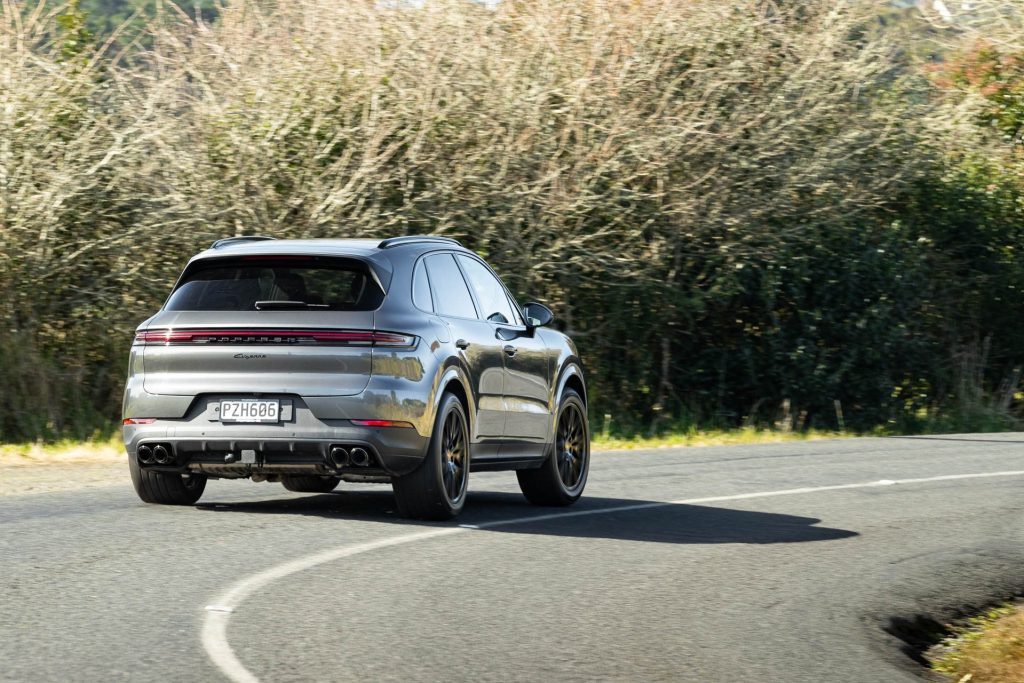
455, 380
571, 376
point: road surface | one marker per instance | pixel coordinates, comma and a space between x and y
812, 561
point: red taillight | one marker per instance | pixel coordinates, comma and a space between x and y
256, 336
162, 336
392, 339
139, 420
381, 423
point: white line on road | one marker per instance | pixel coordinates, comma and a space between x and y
215, 623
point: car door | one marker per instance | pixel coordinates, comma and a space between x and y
526, 380
475, 343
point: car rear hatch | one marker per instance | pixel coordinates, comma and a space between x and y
266, 325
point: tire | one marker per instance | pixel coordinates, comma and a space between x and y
166, 488
561, 479
437, 488
309, 484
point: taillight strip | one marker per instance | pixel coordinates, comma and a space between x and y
256, 336
381, 423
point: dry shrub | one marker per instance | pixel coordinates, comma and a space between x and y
634, 163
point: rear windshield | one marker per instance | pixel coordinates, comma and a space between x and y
298, 283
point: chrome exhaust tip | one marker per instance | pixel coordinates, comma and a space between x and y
145, 455
360, 458
161, 454
338, 457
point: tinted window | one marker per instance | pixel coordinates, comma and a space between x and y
451, 297
238, 285
489, 292
421, 289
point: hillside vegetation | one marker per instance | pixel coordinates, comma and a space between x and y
746, 213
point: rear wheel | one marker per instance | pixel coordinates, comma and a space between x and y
437, 488
562, 477
166, 488
309, 484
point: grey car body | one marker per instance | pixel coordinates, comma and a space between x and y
368, 372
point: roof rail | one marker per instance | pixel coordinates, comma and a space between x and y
409, 239
228, 241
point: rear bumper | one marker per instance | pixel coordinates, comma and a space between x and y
299, 444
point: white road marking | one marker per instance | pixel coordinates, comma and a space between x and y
219, 608
215, 623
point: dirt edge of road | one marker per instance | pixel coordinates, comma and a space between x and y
61, 476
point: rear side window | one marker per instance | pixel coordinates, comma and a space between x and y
451, 297
421, 289
297, 283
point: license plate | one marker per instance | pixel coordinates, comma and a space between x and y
253, 410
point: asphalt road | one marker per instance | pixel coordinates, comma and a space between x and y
806, 585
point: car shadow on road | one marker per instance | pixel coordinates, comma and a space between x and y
607, 518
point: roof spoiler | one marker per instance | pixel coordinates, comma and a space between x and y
410, 239
228, 241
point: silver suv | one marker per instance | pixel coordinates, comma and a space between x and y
309, 362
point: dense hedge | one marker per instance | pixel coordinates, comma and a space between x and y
745, 212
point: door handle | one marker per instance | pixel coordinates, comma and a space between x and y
510, 350
462, 343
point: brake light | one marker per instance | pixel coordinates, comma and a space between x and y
278, 257
250, 336
381, 423
139, 420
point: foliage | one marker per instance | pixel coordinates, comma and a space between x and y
998, 78
745, 213
108, 17
986, 649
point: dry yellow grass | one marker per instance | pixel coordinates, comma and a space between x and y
989, 650
717, 437
63, 452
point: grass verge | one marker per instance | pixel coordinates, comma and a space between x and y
99, 450
987, 649
713, 437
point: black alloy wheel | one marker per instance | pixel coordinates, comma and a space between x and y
562, 477
570, 450
437, 488
455, 460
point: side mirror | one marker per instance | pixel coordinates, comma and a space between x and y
537, 315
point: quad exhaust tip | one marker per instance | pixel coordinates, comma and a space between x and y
360, 458
161, 454
339, 456
156, 454
146, 455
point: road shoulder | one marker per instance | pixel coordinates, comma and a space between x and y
60, 476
